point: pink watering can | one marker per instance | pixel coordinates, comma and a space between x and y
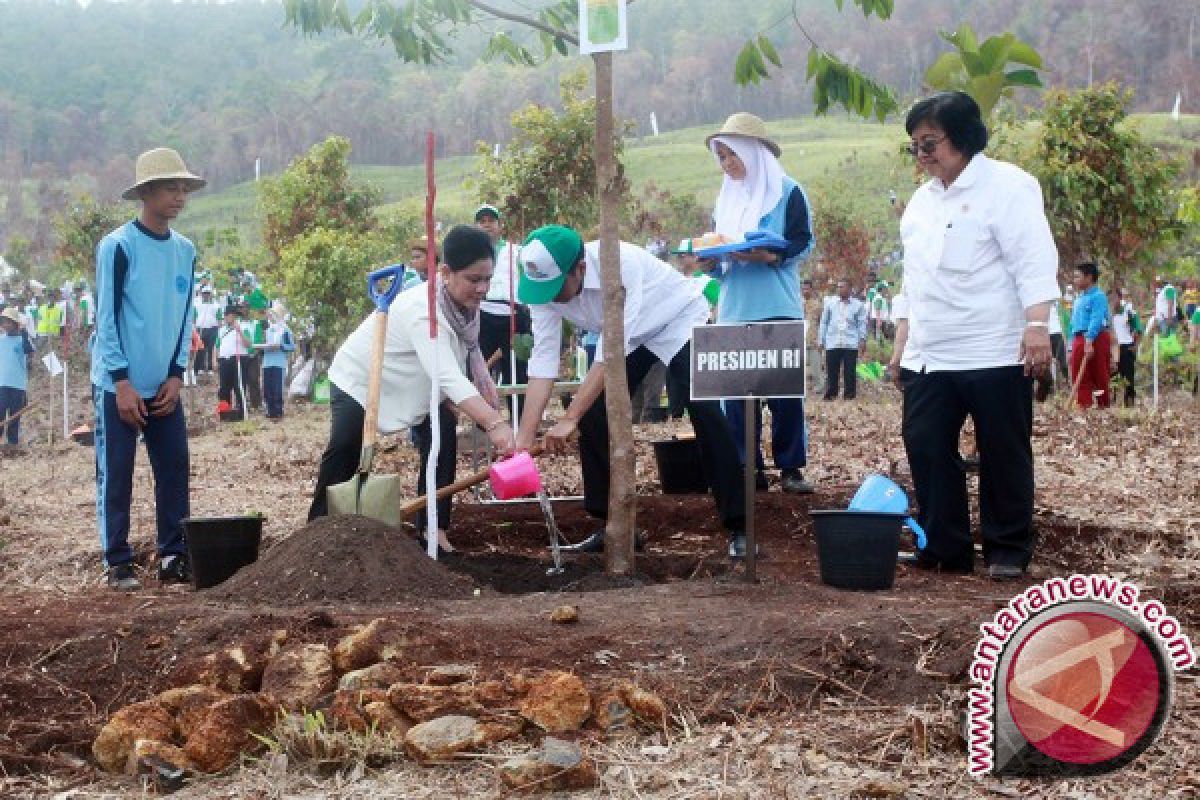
515, 477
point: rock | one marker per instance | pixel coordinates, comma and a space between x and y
148, 719
299, 676
565, 615
376, 676
189, 704
646, 706
226, 731
148, 754
449, 674
386, 719
558, 765
235, 669
611, 712
422, 702
439, 739
348, 708
557, 702
492, 730
366, 646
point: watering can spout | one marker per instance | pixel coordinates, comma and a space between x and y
881, 494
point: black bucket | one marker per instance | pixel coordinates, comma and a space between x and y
857, 549
680, 469
220, 546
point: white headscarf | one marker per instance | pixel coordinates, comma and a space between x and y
741, 205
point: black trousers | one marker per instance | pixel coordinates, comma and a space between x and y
1126, 369
493, 336
227, 377
252, 380
207, 356
340, 460
273, 391
841, 361
1000, 401
717, 449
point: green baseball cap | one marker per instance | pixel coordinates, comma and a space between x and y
487, 208
546, 257
685, 248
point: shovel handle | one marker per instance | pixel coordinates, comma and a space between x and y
416, 504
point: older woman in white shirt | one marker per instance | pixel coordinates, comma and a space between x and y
463, 279
979, 280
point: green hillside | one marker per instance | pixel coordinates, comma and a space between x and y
826, 153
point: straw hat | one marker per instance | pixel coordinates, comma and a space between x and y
161, 164
748, 125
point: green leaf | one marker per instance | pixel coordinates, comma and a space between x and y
1022, 53
768, 50
946, 72
1023, 77
993, 53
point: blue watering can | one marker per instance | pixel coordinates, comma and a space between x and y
881, 494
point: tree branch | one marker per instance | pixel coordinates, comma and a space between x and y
524, 20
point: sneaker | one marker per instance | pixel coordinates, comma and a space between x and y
174, 569
122, 579
794, 483
1005, 572
737, 545
595, 543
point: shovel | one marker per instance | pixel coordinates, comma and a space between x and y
374, 496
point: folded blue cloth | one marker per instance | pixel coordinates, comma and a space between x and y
763, 240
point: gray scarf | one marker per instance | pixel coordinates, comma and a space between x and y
466, 327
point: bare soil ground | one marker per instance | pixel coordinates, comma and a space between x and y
788, 688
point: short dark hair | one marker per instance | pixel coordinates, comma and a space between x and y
466, 244
1090, 269
957, 114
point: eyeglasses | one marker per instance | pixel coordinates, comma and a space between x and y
926, 145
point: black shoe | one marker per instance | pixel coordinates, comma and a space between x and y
174, 569
121, 578
794, 483
1005, 572
595, 543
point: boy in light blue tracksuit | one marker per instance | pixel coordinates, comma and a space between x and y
144, 285
280, 344
15, 349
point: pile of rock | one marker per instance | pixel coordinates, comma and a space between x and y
233, 697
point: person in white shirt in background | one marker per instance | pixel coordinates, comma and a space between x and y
1127, 329
842, 336
1166, 306
1046, 382
208, 322
560, 279
462, 377
979, 280
496, 309
232, 348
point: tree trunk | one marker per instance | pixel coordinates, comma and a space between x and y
610, 184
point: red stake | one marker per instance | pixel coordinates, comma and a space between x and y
430, 240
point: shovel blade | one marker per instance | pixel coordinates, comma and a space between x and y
374, 496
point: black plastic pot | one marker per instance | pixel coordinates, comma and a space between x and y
857, 549
680, 470
220, 546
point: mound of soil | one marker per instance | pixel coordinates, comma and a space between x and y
343, 559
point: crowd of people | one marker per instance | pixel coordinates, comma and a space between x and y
977, 319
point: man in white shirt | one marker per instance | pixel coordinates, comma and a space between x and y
1127, 328
500, 309
208, 322
842, 335
1166, 306
980, 270
560, 279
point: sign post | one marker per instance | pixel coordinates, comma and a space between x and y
749, 362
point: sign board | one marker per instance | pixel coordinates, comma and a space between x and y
748, 359
603, 26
